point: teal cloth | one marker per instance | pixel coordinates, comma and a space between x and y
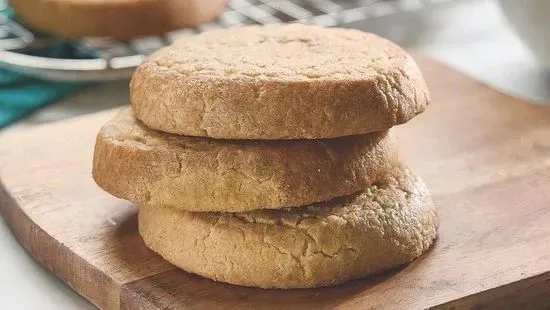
21, 94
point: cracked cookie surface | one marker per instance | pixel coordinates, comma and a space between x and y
278, 82
201, 174
323, 244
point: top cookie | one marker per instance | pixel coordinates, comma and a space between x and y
288, 81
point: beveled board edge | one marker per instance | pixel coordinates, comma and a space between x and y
103, 292
530, 293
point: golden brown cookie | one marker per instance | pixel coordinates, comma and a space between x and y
278, 82
323, 244
121, 19
202, 174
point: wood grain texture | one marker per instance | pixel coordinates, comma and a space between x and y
486, 157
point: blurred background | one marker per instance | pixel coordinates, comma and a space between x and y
505, 44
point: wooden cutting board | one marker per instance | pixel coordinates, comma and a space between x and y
486, 156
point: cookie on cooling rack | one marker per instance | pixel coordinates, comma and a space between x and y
324, 244
198, 174
122, 19
287, 81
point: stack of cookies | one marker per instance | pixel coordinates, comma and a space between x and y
261, 156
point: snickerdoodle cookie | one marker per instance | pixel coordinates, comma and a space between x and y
287, 81
324, 244
202, 174
120, 19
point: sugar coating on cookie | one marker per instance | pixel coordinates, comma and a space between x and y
324, 244
198, 174
285, 81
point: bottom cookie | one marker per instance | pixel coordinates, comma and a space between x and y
323, 244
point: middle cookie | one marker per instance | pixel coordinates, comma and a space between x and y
202, 174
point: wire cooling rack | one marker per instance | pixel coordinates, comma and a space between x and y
117, 59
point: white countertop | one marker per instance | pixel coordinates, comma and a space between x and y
471, 37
